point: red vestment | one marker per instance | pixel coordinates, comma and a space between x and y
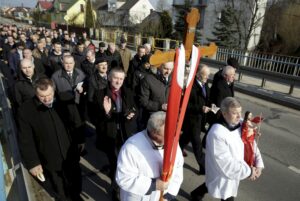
248, 143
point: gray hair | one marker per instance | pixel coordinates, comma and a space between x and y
200, 68
147, 45
68, 57
156, 121
228, 103
227, 69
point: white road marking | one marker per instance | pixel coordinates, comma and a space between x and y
294, 169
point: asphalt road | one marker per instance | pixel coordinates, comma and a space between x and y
279, 144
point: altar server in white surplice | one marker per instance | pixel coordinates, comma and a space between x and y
140, 164
224, 162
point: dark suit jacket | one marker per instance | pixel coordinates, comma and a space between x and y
194, 115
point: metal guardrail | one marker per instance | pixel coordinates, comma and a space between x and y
262, 74
13, 173
286, 65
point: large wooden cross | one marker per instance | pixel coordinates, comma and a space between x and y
191, 20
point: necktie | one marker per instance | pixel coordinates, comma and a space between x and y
70, 75
203, 91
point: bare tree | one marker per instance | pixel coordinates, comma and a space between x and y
248, 17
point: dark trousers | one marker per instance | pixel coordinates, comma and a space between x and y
111, 149
201, 190
64, 185
191, 132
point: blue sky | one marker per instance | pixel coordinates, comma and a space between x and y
27, 3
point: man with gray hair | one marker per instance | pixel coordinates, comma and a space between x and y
223, 87
219, 76
224, 160
147, 47
195, 116
140, 164
113, 56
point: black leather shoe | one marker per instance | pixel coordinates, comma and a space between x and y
201, 170
184, 154
196, 197
105, 170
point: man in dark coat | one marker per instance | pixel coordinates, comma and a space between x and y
101, 51
218, 75
97, 82
115, 116
154, 92
79, 54
39, 67
7, 47
98, 79
88, 65
24, 89
69, 80
113, 56
14, 58
55, 59
49, 135
223, 87
134, 65
195, 116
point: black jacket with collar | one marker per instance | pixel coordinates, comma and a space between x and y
23, 89
108, 123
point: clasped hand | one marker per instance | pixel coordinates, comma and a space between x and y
256, 172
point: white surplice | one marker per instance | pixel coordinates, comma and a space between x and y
224, 161
138, 164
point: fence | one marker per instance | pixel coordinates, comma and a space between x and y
12, 184
286, 65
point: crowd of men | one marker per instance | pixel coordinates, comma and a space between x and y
58, 81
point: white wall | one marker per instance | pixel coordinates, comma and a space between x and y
140, 11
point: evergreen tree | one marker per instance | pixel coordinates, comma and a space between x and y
166, 23
180, 20
89, 15
225, 30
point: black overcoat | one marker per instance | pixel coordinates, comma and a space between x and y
46, 135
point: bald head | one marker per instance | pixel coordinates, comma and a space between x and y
27, 68
167, 68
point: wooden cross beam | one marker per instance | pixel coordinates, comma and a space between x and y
191, 20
